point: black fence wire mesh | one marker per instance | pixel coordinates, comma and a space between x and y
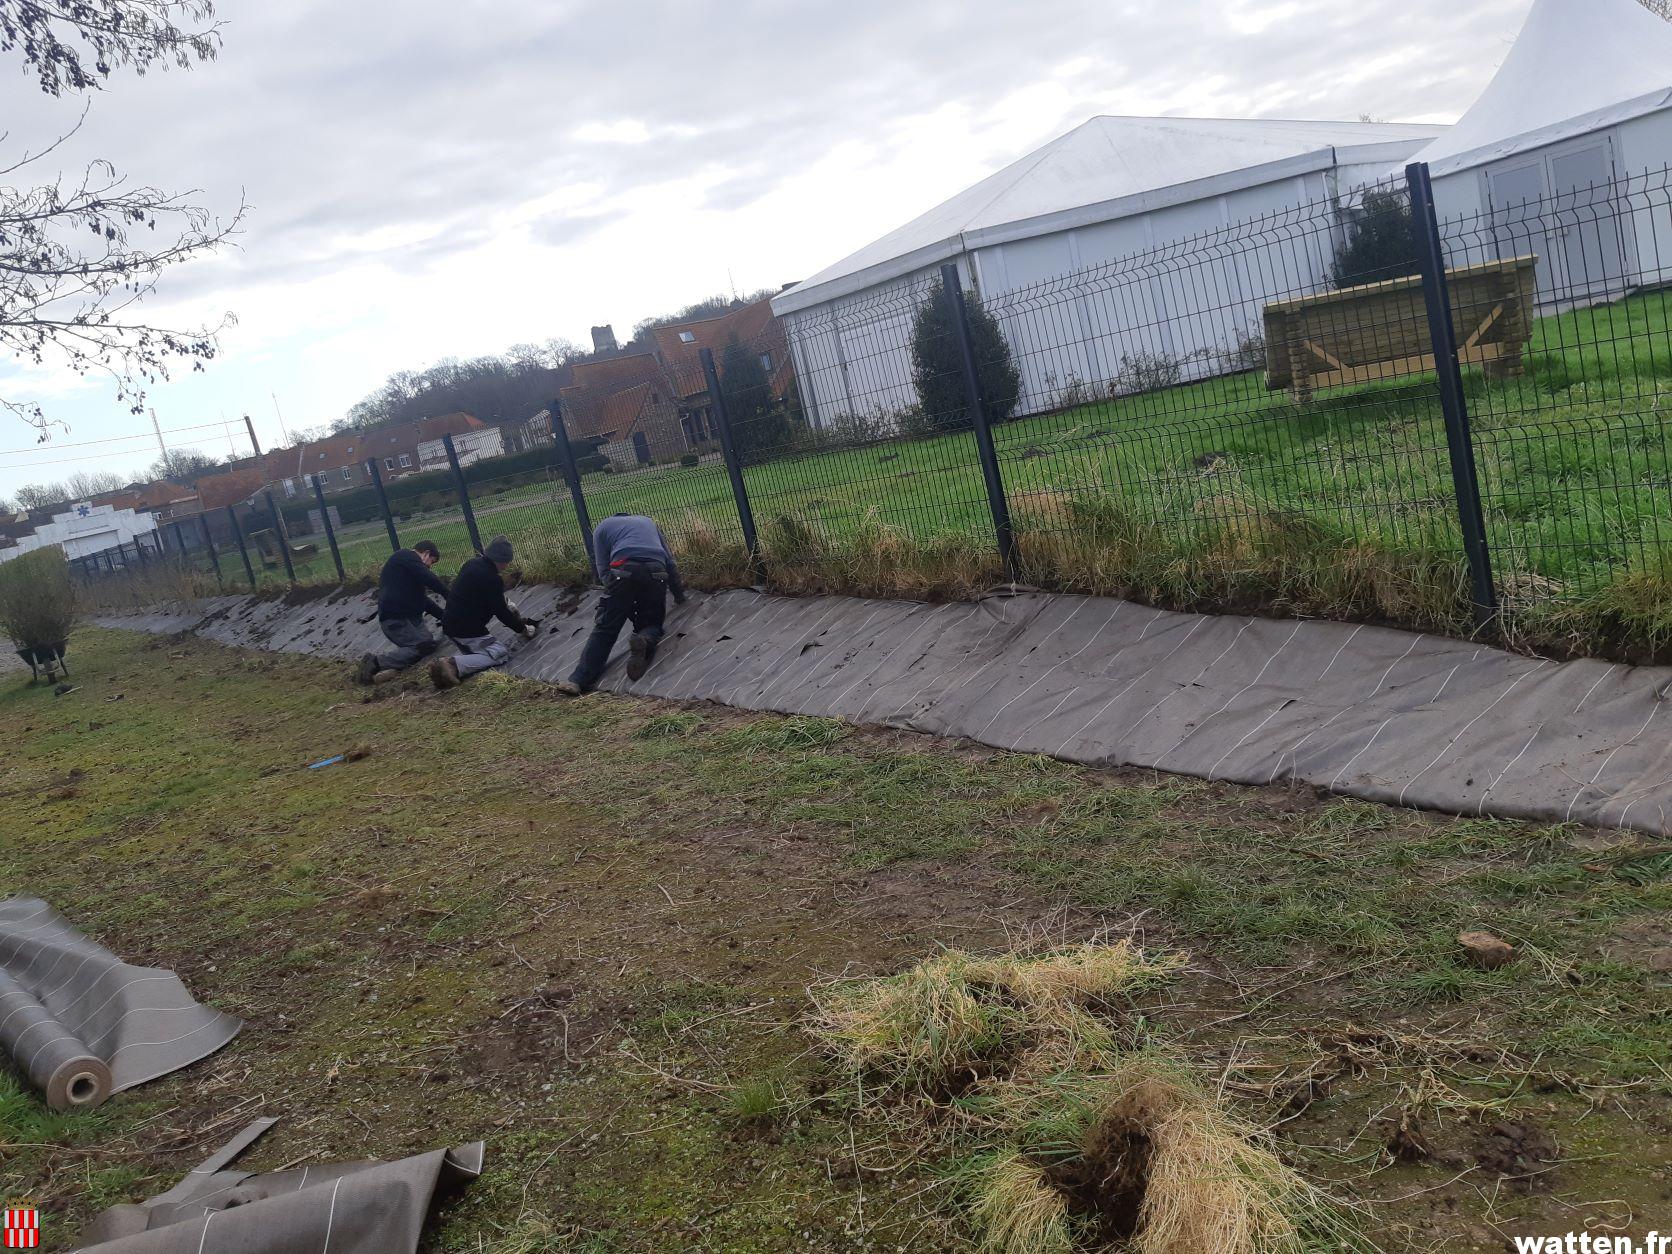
1265, 416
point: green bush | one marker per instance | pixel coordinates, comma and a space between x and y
37, 599
1380, 244
937, 365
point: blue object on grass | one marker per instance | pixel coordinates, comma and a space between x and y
314, 766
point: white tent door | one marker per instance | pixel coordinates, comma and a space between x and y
1559, 204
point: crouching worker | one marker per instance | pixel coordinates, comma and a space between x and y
638, 571
477, 595
403, 599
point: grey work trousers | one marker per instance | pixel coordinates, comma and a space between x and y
412, 641
479, 653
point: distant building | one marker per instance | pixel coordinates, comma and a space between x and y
84, 528
603, 339
339, 461
653, 404
470, 447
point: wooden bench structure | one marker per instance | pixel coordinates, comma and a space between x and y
1380, 330
267, 544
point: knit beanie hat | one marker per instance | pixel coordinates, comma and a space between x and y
498, 550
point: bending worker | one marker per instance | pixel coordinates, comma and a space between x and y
478, 594
403, 598
637, 570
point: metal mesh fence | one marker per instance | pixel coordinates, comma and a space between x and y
1272, 415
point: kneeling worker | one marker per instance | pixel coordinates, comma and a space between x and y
638, 571
403, 598
478, 594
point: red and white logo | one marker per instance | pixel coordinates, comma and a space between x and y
22, 1230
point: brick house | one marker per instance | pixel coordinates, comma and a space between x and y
641, 425
340, 460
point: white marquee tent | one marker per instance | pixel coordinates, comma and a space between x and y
1565, 151
1112, 188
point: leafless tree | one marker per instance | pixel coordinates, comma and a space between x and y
85, 483
73, 45
40, 495
78, 255
1661, 7
182, 465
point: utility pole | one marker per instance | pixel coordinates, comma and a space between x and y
162, 448
250, 427
283, 430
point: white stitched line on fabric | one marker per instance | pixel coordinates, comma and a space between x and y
1247, 736
1349, 640
203, 1240
1480, 807
858, 635
979, 645
928, 618
875, 642
1459, 736
1446, 682
1232, 700
1065, 661
331, 1217
1130, 684
724, 648
764, 674
980, 671
865, 701
1293, 752
1592, 782
1175, 692
1063, 700
1373, 739
173, 1040
682, 663
802, 642
1605, 674
734, 658
1002, 621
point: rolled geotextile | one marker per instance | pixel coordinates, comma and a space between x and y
48, 1055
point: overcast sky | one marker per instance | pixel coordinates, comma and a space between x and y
436, 178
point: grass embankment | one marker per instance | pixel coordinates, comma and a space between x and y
1217, 495
599, 933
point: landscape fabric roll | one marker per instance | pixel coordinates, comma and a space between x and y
343, 1208
49, 1055
81, 1024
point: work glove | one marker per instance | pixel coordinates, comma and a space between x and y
679, 598
530, 628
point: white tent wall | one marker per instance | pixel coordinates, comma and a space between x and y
1099, 309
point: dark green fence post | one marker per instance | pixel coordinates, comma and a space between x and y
464, 492
1431, 257
330, 532
988, 456
243, 549
281, 535
209, 543
383, 504
728, 450
572, 475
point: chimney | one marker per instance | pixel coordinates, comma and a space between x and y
603, 339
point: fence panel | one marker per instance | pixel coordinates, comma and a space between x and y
1571, 433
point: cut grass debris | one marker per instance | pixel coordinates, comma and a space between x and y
1078, 1131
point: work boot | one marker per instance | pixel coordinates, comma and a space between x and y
367, 670
639, 662
444, 673
568, 688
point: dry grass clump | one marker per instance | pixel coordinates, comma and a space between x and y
876, 559
1076, 1133
1231, 551
707, 559
37, 599
952, 1019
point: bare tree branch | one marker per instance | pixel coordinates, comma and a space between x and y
73, 45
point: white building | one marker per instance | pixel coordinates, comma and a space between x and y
471, 447
1565, 153
1115, 188
85, 528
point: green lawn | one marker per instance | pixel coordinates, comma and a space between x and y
464, 934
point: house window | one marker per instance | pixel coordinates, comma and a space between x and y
406, 460
388, 463
290, 487
766, 362
348, 474
685, 337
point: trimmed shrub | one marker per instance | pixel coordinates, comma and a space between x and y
37, 599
